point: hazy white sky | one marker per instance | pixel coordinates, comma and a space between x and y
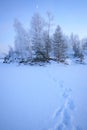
71, 15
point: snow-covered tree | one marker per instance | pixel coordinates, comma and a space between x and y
84, 43
22, 42
59, 45
11, 56
37, 28
47, 44
77, 47
47, 34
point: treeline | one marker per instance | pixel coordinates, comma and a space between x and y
40, 43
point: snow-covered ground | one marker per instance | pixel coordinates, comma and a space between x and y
50, 97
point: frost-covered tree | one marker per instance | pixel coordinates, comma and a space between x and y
47, 34
60, 46
22, 42
10, 56
77, 47
84, 44
37, 28
47, 44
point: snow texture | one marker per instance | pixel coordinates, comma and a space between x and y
51, 97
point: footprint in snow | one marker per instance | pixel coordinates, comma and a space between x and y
65, 112
61, 84
67, 92
66, 116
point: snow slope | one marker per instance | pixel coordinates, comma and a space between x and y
51, 97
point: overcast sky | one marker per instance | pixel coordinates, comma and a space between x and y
71, 15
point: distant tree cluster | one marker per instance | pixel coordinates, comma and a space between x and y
40, 44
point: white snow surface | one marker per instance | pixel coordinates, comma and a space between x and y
50, 97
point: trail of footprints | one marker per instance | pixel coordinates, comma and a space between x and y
64, 114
